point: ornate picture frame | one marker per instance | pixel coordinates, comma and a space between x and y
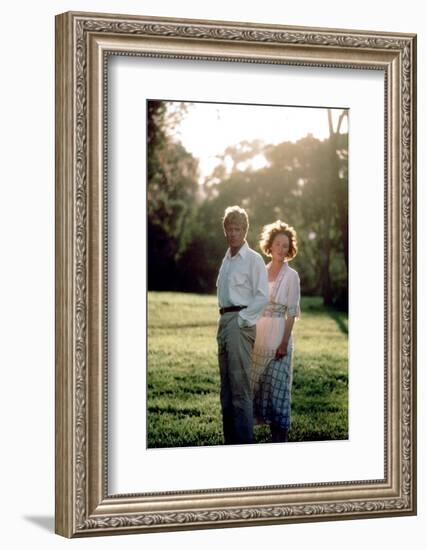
84, 42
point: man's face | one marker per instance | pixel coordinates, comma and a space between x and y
235, 235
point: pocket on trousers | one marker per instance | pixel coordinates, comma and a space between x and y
249, 332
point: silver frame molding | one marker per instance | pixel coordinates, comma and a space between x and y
83, 43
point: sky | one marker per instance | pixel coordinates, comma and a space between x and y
208, 128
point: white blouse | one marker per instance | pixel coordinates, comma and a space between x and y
285, 290
284, 301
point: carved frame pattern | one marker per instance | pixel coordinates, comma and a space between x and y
83, 510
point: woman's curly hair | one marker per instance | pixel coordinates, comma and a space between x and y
270, 231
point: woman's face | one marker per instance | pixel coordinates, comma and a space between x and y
280, 247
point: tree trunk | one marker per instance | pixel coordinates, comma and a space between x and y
326, 277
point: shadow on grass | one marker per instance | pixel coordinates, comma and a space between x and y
314, 306
337, 316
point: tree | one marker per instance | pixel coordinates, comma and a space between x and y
304, 183
171, 190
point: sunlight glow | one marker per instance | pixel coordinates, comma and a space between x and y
255, 163
207, 129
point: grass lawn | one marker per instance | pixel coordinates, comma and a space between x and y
183, 377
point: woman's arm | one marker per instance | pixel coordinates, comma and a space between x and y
293, 312
282, 350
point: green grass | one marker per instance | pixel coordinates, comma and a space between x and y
183, 377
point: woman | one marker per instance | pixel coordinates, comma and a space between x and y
271, 374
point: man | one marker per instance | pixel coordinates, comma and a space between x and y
242, 296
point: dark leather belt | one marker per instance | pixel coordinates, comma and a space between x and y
230, 309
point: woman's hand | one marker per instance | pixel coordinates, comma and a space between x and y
282, 350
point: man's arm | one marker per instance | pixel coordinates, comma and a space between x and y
250, 315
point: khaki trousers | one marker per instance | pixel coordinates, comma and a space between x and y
235, 346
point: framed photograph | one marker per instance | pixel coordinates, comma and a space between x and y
275, 160
218, 174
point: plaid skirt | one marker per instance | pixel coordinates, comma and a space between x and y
271, 382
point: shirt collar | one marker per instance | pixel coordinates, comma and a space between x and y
284, 266
242, 251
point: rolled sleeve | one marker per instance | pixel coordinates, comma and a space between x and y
293, 308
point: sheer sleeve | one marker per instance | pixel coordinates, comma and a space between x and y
294, 294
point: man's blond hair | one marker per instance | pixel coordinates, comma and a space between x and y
237, 215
